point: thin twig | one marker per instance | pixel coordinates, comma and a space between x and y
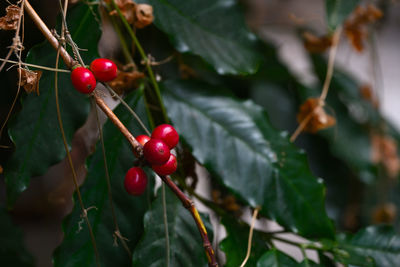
34, 66
165, 224
113, 213
325, 87
253, 221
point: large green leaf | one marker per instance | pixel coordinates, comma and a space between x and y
212, 29
35, 129
76, 249
186, 248
235, 244
338, 10
275, 258
235, 141
380, 243
12, 250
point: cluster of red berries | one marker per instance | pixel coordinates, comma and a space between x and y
84, 80
157, 151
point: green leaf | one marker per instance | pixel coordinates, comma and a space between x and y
235, 244
235, 141
35, 130
380, 243
186, 247
76, 248
275, 258
338, 10
12, 251
212, 29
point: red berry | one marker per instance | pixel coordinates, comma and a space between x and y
167, 168
142, 139
135, 181
83, 80
166, 133
103, 69
156, 152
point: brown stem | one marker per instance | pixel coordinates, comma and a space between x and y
189, 205
137, 148
68, 60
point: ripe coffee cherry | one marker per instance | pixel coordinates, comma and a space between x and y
83, 80
103, 69
135, 181
156, 152
166, 133
167, 168
142, 139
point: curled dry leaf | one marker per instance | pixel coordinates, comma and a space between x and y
127, 8
315, 44
10, 20
385, 213
355, 26
144, 15
125, 81
384, 151
314, 116
30, 80
368, 94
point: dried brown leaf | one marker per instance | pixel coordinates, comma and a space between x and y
355, 26
385, 213
314, 116
127, 8
125, 81
10, 20
368, 94
315, 44
30, 80
384, 151
144, 15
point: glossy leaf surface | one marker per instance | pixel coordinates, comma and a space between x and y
236, 141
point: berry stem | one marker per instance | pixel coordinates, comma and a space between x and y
137, 148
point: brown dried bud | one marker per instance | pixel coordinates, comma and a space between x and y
317, 119
10, 20
127, 8
30, 80
125, 81
144, 15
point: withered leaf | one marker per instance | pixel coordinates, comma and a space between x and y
315, 44
355, 26
125, 81
384, 213
127, 8
384, 151
144, 15
30, 80
314, 116
367, 93
10, 20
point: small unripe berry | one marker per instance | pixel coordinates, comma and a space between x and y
156, 152
135, 181
166, 133
142, 139
103, 69
83, 80
168, 168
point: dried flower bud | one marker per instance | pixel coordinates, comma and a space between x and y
30, 80
10, 20
144, 15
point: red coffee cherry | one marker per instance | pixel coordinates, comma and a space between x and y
103, 69
142, 139
135, 181
83, 80
166, 133
156, 152
168, 168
